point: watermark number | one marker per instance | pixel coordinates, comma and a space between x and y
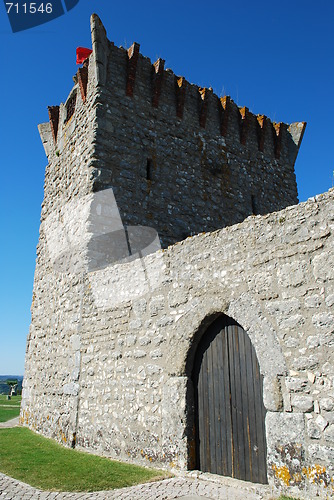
29, 8
24, 14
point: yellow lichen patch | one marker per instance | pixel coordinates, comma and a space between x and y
62, 436
24, 418
282, 472
297, 478
315, 474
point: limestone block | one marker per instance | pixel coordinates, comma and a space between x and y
157, 353
312, 301
284, 428
296, 384
323, 321
71, 389
283, 308
323, 268
144, 340
135, 324
313, 341
158, 340
272, 394
178, 297
157, 304
139, 306
329, 416
165, 321
313, 430
306, 362
292, 274
291, 322
327, 404
327, 368
75, 374
76, 342
302, 403
329, 434
330, 300
174, 419
321, 454
131, 340
291, 342
138, 353
285, 441
321, 422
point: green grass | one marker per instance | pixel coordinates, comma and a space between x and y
9, 408
283, 497
46, 465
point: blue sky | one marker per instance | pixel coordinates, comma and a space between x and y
274, 57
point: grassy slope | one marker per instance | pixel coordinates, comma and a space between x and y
9, 408
47, 465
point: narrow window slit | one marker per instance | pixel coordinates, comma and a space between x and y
149, 169
254, 205
70, 106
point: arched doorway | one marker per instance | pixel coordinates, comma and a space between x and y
229, 410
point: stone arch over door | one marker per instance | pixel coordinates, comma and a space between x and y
189, 329
193, 323
229, 411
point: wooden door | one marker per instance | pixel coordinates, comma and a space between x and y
229, 410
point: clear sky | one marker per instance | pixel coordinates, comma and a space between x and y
276, 58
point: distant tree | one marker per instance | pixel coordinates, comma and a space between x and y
12, 382
12, 386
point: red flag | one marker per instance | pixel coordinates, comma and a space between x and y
82, 54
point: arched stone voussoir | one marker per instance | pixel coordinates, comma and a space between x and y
246, 310
189, 328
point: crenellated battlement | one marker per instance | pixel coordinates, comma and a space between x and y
235, 122
150, 130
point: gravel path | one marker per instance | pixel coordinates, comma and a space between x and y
188, 486
185, 488
10, 423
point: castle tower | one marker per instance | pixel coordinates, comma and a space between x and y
122, 332
178, 158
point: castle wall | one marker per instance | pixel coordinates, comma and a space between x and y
111, 344
131, 397
50, 363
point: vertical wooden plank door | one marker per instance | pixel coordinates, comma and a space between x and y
229, 410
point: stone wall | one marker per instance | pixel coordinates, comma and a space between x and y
182, 176
113, 373
113, 338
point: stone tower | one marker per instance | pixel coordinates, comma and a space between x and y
116, 322
178, 158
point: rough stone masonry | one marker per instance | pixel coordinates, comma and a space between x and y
113, 336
